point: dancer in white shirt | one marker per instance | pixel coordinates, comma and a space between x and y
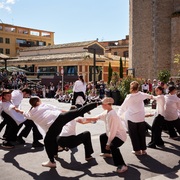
172, 106
51, 120
115, 135
159, 121
79, 89
133, 107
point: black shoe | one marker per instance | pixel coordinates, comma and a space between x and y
20, 140
151, 145
160, 144
37, 144
7, 145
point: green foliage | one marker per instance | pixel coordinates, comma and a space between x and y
164, 76
125, 86
109, 73
177, 58
177, 62
114, 84
121, 68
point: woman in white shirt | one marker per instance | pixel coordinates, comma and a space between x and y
79, 89
159, 121
172, 106
133, 107
115, 135
51, 120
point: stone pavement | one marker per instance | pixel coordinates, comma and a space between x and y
24, 162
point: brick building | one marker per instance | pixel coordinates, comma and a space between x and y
154, 36
15, 38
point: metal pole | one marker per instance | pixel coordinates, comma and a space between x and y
62, 83
94, 65
5, 64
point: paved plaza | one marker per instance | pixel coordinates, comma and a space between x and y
24, 162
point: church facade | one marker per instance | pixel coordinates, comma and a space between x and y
154, 37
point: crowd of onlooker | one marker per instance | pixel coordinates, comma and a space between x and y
19, 80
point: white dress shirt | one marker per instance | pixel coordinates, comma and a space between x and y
69, 129
114, 127
43, 115
160, 100
133, 107
8, 109
172, 106
79, 86
17, 97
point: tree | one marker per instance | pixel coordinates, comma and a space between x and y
121, 68
109, 73
164, 76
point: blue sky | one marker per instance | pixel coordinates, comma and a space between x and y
71, 20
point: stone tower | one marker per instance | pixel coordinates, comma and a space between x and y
154, 36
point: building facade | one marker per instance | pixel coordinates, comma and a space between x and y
154, 36
72, 58
13, 39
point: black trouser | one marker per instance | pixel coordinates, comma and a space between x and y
29, 124
2, 124
74, 141
12, 127
55, 129
114, 146
172, 125
137, 133
76, 94
157, 128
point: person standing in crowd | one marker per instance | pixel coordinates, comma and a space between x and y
170, 82
159, 121
154, 85
172, 106
133, 107
79, 89
115, 135
150, 86
52, 90
145, 89
101, 92
51, 120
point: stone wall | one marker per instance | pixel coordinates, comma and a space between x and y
152, 36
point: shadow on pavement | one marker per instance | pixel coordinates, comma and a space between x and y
9, 157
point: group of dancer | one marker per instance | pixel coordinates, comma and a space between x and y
59, 125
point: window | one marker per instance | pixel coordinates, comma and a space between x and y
34, 33
50, 70
10, 29
7, 51
70, 70
126, 54
45, 34
23, 31
1, 28
98, 73
7, 41
115, 53
20, 41
1, 39
41, 43
1, 50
